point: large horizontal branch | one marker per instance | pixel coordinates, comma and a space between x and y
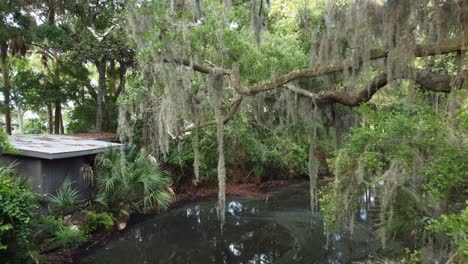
448, 46
427, 80
330, 97
443, 47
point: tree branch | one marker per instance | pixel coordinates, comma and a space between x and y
445, 47
196, 67
427, 80
330, 97
233, 107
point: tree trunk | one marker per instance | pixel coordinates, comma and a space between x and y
58, 105
111, 75
121, 88
101, 68
20, 118
6, 85
58, 116
62, 129
50, 118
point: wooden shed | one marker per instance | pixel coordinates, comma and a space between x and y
48, 159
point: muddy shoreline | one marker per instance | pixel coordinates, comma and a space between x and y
184, 195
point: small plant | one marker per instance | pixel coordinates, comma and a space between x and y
68, 237
66, 201
49, 225
98, 221
411, 257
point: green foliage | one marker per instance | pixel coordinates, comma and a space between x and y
447, 173
98, 221
130, 177
83, 117
52, 232
411, 257
68, 236
34, 126
462, 116
66, 200
4, 145
430, 173
17, 209
49, 225
254, 152
456, 227
3, 230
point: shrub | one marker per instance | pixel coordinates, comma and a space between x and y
130, 177
98, 221
4, 145
66, 201
455, 226
68, 236
49, 225
17, 209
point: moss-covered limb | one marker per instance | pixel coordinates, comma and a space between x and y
444, 47
428, 80
316, 72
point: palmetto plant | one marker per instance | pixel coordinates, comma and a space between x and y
66, 200
129, 176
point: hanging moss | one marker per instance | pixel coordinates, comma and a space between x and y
394, 178
216, 92
313, 164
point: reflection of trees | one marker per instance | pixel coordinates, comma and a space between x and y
274, 230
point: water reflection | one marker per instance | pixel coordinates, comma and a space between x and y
274, 229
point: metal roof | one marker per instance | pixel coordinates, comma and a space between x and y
57, 146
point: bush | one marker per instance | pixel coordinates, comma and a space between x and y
4, 145
49, 225
98, 221
455, 226
68, 236
66, 201
17, 209
131, 178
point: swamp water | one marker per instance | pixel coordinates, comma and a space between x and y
277, 228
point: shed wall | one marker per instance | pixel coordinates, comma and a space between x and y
55, 171
47, 175
26, 166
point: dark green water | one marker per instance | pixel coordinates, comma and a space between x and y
278, 228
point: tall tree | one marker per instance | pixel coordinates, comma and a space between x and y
14, 31
103, 42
